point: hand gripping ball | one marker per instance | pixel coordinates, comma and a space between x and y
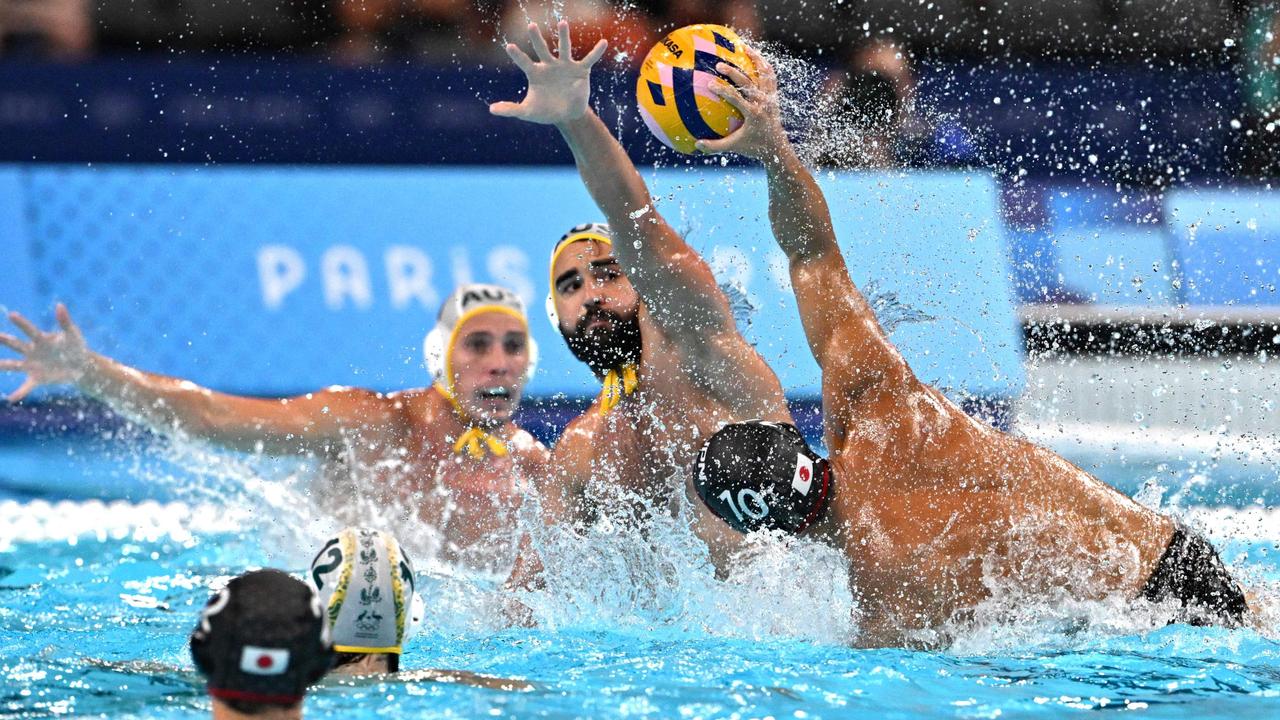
674, 90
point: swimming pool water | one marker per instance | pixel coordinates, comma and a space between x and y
97, 599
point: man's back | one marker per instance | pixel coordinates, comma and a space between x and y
945, 512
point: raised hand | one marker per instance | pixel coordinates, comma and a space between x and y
55, 357
761, 132
559, 86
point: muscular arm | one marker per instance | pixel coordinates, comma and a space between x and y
843, 333
676, 284
841, 327
279, 426
169, 405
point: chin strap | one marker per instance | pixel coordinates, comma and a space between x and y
618, 384
476, 441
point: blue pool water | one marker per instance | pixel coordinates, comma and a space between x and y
97, 597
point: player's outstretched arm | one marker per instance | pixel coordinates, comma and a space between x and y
677, 286
843, 333
170, 405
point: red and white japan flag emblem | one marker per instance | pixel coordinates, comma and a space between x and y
263, 661
804, 474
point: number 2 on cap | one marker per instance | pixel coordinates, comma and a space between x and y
749, 500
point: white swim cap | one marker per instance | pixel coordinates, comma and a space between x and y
461, 305
599, 232
366, 583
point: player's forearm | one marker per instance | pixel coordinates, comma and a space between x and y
798, 210
615, 185
164, 404
680, 293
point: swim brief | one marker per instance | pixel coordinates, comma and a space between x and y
1191, 572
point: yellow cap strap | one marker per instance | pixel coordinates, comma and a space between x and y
617, 385
358, 649
476, 442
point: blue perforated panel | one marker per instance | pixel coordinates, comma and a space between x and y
280, 280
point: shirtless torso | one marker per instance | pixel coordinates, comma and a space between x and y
383, 457
695, 369
935, 511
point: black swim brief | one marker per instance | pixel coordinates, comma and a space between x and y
1191, 572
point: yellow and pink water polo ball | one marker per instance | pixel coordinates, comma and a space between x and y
674, 90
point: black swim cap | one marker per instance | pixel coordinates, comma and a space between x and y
262, 639
760, 474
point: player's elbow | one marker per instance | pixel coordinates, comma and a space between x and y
805, 248
862, 373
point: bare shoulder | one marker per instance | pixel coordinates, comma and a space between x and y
574, 451
532, 455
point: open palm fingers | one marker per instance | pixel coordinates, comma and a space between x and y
540, 48
25, 325
596, 53
68, 326
518, 56
565, 44
15, 344
768, 78
23, 390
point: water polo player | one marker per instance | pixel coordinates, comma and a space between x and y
448, 454
936, 511
366, 586
260, 642
368, 589
643, 310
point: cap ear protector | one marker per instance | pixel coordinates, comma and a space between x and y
417, 613
262, 638
367, 586
462, 304
598, 232
759, 474
200, 636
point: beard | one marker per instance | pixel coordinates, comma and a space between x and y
605, 348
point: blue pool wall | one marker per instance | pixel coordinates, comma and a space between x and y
279, 280
1199, 246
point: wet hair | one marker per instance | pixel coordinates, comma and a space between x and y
348, 658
